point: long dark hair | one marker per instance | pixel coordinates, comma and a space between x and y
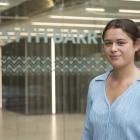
127, 26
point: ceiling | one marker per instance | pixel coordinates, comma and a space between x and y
25, 12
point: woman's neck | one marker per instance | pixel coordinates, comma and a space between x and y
126, 73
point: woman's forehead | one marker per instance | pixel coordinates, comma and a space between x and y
116, 33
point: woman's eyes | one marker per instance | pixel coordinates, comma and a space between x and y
108, 43
119, 43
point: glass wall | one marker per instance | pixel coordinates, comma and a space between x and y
50, 50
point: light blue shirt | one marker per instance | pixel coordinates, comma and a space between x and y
118, 121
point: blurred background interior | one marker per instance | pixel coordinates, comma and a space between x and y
50, 50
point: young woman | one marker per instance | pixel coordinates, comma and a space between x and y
113, 104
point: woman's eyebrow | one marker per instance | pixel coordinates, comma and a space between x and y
107, 40
120, 39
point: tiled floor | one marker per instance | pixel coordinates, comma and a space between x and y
14, 126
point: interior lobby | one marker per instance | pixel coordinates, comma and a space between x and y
50, 50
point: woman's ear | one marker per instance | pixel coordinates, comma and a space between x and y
137, 45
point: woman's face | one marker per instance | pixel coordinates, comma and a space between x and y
118, 47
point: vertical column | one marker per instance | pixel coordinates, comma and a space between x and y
53, 76
26, 81
0, 77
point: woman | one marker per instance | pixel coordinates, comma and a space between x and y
113, 104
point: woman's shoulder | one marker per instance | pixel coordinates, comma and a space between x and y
101, 77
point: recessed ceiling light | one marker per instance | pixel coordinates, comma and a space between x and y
80, 18
129, 11
95, 9
136, 20
4, 4
86, 18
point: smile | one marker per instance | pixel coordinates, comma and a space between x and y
114, 56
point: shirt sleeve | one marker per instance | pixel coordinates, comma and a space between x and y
88, 130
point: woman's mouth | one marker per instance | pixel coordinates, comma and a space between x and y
114, 57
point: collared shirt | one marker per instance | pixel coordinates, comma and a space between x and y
118, 121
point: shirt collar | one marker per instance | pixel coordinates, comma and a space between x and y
104, 76
138, 79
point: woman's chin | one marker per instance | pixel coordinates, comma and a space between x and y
116, 65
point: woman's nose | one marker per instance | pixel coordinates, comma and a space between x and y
114, 47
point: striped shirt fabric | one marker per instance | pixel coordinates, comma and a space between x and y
118, 121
